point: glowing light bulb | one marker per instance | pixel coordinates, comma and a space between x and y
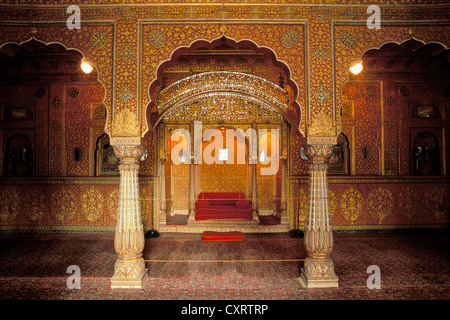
356, 68
86, 66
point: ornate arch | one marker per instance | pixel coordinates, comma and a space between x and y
247, 86
410, 45
222, 83
31, 45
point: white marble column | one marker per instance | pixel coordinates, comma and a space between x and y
129, 269
283, 190
163, 204
191, 191
318, 268
254, 192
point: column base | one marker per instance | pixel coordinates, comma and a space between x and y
309, 282
318, 274
191, 216
129, 274
283, 214
255, 216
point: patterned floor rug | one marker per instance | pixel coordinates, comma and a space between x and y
262, 267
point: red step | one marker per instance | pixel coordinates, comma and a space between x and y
223, 236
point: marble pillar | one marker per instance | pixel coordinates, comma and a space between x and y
192, 190
318, 269
283, 190
129, 270
163, 204
254, 192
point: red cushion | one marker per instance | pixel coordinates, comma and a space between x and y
202, 204
221, 198
232, 213
242, 204
223, 236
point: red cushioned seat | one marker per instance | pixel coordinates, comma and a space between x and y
222, 206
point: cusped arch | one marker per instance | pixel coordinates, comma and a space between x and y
32, 45
159, 104
411, 45
222, 83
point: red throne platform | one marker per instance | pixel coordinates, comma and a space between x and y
222, 206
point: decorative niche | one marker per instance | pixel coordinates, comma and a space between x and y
98, 111
18, 157
425, 111
18, 114
105, 158
426, 153
339, 159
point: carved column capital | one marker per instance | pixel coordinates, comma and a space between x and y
319, 149
129, 153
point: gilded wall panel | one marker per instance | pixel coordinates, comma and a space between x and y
180, 180
67, 204
376, 203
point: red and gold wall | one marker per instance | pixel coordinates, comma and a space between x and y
128, 42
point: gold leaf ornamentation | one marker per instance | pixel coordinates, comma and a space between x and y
113, 203
65, 204
321, 125
9, 208
303, 205
405, 203
352, 205
91, 204
125, 124
333, 202
380, 203
35, 202
436, 199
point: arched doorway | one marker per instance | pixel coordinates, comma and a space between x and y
223, 85
401, 93
18, 158
52, 116
46, 97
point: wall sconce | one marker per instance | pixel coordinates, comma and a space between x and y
356, 67
86, 66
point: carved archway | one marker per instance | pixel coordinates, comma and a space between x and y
255, 99
280, 97
226, 84
52, 68
403, 86
32, 45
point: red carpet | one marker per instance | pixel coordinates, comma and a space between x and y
223, 236
183, 267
